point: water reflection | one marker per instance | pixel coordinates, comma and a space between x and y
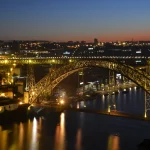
60, 143
76, 130
82, 104
113, 142
113, 102
21, 135
34, 144
103, 102
124, 105
79, 140
78, 105
3, 137
130, 102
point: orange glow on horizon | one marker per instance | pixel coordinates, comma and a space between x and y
108, 38
102, 37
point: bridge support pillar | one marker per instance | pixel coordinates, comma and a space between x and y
147, 104
30, 81
111, 77
81, 79
124, 79
147, 95
109, 106
26, 97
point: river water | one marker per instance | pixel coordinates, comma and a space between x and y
81, 131
131, 102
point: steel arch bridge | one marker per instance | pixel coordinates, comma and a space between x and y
51, 80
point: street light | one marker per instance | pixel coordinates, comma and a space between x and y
62, 102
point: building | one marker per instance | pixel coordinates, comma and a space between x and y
95, 41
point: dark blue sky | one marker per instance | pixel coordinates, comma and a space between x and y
63, 20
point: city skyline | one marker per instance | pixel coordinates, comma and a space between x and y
75, 20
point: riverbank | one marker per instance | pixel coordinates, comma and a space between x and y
19, 114
111, 113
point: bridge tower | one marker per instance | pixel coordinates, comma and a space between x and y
147, 96
112, 78
112, 83
124, 79
81, 79
48, 92
30, 82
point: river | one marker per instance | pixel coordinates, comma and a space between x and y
82, 131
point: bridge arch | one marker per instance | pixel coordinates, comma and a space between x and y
52, 79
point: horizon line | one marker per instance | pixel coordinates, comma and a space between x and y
79, 41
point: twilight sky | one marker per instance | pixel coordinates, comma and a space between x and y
63, 20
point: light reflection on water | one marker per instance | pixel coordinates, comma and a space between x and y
80, 131
34, 144
78, 105
21, 135
85, 131
4, 137
131, 102
113, 142
60, 142
79, 140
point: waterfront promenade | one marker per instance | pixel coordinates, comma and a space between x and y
111, 113
111, 89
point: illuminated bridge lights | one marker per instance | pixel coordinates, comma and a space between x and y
145, 115
6, 61
50, 81
128, 71
14, 64
30, 60
140, 77
53, 60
